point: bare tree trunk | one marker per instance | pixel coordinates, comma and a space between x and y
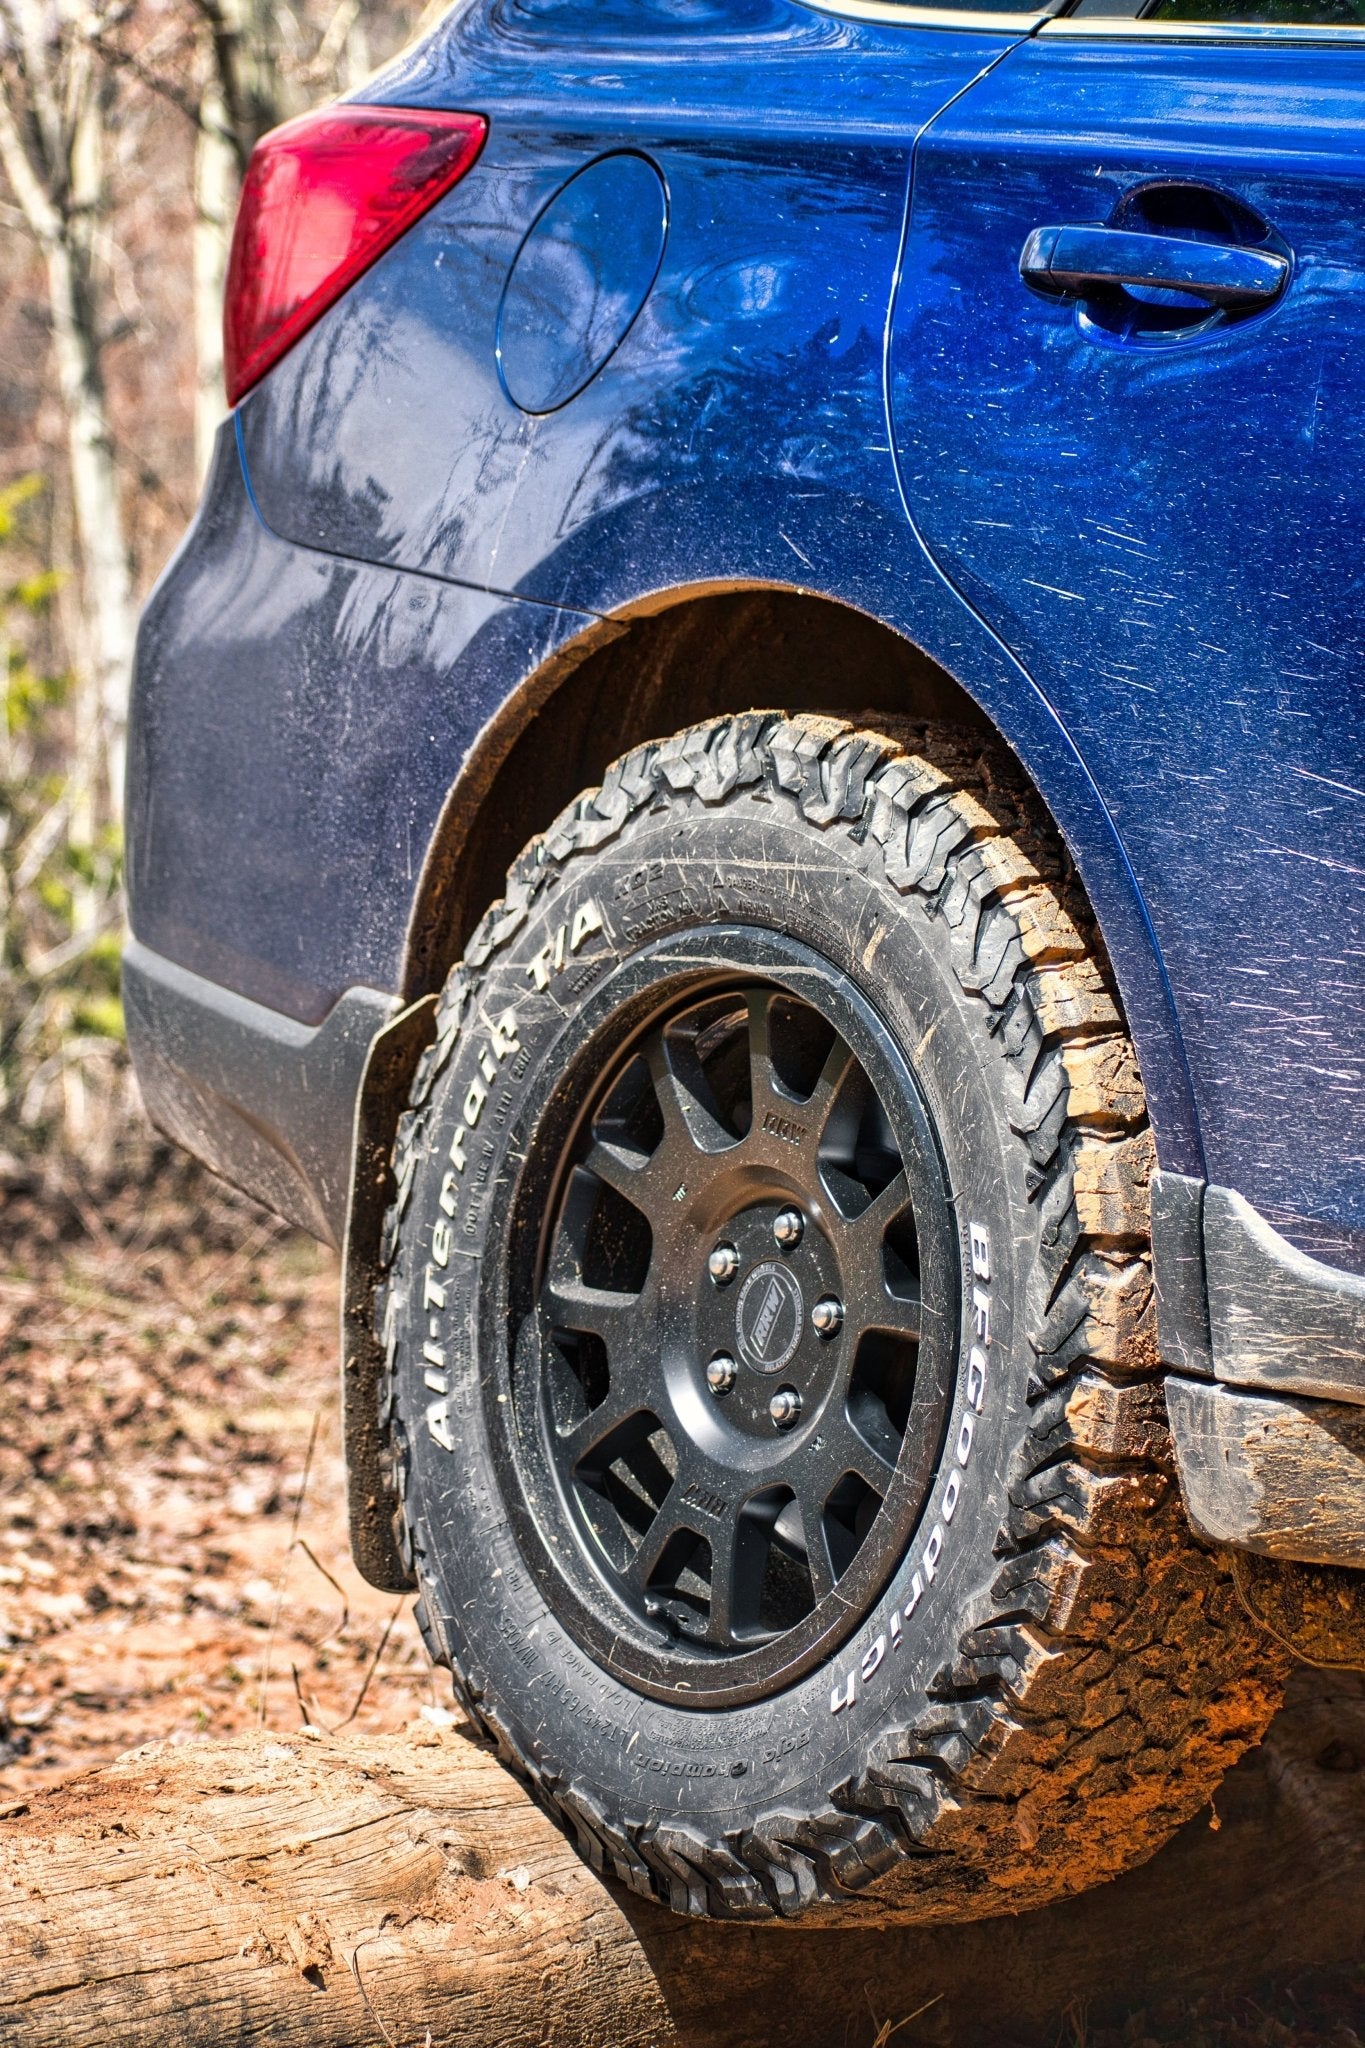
402, 1889
52, 110
216, 178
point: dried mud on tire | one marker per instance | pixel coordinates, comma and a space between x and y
1070, 1675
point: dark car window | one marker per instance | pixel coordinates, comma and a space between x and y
1229, 13
1326, 13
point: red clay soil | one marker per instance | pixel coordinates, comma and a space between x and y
173, 1554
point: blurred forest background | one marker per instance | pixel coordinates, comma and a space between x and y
173, 1552
124, 131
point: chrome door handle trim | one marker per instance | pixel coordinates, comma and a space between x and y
1078, 262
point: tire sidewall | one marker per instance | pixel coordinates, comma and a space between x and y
753, 861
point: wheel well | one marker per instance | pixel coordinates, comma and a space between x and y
640, 678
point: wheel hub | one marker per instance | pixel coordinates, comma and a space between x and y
771, 1317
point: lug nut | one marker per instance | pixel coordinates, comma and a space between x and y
723, 1264
788, 1228
827, 1316
785, 1407
721, 1374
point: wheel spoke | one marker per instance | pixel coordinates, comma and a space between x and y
819, 1563
900, 1315
853, 1453
589, 1440
872, 1302
655, 1542
627, 1174
765, 1092
725, 1549
870, 1225
568, 1305
688, 1125
828, 1099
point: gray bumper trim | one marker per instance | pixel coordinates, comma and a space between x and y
1237, 1302
1286, 1478
1277, 1318
1266, 1385
267, 1102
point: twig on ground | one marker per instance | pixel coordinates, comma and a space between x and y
360, 1987
311, 1716
886, 2030
374, 1666
340, 1627
284, 1567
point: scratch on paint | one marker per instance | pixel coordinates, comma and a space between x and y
1327, 782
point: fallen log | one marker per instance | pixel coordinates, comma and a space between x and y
402, 1889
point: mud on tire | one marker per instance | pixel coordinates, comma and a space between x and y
1042, 1673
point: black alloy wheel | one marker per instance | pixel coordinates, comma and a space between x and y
742, 1341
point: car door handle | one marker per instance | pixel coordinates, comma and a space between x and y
1077, 262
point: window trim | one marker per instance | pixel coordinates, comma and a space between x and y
1105, 28
905, 14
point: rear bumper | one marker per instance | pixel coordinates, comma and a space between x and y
267, 1102
1266, 1348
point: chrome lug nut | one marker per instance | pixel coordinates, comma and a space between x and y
785, 1407
788, 1228
723, 1264
721, 1374
828, 1315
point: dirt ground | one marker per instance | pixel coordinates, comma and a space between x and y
173, 1554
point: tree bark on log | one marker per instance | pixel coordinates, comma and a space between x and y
402, 1889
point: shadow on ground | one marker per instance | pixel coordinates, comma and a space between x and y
1246, 1931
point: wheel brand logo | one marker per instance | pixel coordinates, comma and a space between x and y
785, 1127
714, 1504
769, 1317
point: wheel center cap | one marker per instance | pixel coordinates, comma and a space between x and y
769, 1317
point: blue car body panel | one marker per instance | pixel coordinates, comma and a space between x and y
757, 361
738, 434
401, 545
1169, 533
301, 719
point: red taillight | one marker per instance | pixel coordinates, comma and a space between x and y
323, 197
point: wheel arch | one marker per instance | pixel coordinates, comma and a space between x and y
646, 671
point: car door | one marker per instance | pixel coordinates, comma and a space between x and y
1127, 384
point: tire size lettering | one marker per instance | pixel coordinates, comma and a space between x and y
844, 1693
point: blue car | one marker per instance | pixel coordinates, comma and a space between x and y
750, 788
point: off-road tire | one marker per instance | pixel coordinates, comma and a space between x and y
1078, 1674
